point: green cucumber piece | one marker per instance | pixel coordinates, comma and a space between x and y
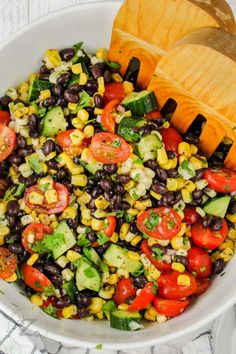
217, 206
126, 131
140, 103
36, 86
92, 255
70, 240
116, 256
148, 146
87, 277
53, 123
123, 319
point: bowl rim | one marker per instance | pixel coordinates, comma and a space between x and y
80, 342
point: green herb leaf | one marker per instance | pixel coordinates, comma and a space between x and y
82, 240
154, 288
35, 164
42, 112
202, 269
186, 170
128, 217
89, 272
48, 290
116, 143
48, 243
44, 187
138, 161
110, 306
50, 310
18, 273
194, 273
152, 221
138, 273
113, 64
70, 289
14, 191
157, 253
87, 253
102, 238
185, 240
171, 224
84, 100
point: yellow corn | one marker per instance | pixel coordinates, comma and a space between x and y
12, 278
190, 186
182, 158
177, 242
149, 317
231, 217
193, 149
18, 113
72, 256
153, 273
101, 203
98, 111
77, 137
129, 199
83, 79
134, 256
4, 231
100, 315
33, 259
101, 85
116, 77
96, 224
54, 224
182, 230
107, 292
183, 279
123, 307
167, 166
83, 115
73, 168
129, 185
89, 131
124, 230
114, 237
69, 311
232, 234
155, 195
33, 77
142, 205
44, 218
54, 57
184, 149
135, 240
86, 222
44, 95
196, 163
79, 180
172, 184
77, 69
69, 213
86, 213
76, 122
23, 87
102, 53
123, 273
32, 110
113, 279
226, 244
72, 106
180, 182
227, 254
128, 87
84, 198
179, 267
162, 157
96, 305
132, 212
215, 256
36, 300
186, 195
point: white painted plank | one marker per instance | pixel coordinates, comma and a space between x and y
13, 15
38, 8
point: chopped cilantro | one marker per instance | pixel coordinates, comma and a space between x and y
137, 273
15, 191
87, 253
35, 164
48, 290
186, 170
37, 284
116, 143
84, 100
138, 161
185, 240
226, 188
102, 238
157, 253
70, 289
82, 240
42, 111
154, 288
89, 272
171, 224
44, 187
128, 217
202, 269
113, 64
194, 273
109, 306
152, 221
48, 243
18, 273
50, 310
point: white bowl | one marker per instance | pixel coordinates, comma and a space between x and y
20, 56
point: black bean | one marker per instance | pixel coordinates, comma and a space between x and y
232, 207
145, 197
216, 223
15, 248
96, 192
56, 280
206, 222
11, 221
107, 76
191, 138
98, 100
91, 182
161, 175
110, 168
140, 281
83, 299
15, 159
115, 202
168, 198
181, 259
82, 312
58, 148
13, 208
146, 130
91, 86
119, 189
63, 78
21, 142
67, 183
123, 178
197, 193
125, 205
61, 102
91, 204
43, 70
4, 170
108, 195
218, 266
91, 236
34, 134
74, 88
106, 184
129, 300
33, 120
72, 223
67, 54
49, 102
178, 197
77, 249
171, 155
72, 267
62, 174
18, 226
57, 90
51, 268
100, 174
5, 100
199, 174
63, 301
48, 147
152, 164
28, 290
12, 237
159, 188
26, 151
44, 77
96, 71
133, 228
119, 223
40, 268
172, 173
215, 161
30, 181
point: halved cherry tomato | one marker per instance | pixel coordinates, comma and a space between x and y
169, 288
5, 117
199, 262
7, 141
144, 298
109, 148
108, 121
111, 225
161, 223
64, 140
38, 231
34, 278
114, 90
125, 289
170, 308
190, 215
155, 115
54, 208
171, 139
202, 285
221, 180
206, 237
159, 264
8, 263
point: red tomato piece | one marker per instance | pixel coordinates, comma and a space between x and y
199, 262
114, 90
206, 237
221, 180
169, 288
111, 225
170, 308
38, 231
171, 139
108, 121
54, 208
7, 141
8, 263
64, 140
109, 148
5, 117
190, 215
161, 223
159, 264
51, 300
125, 289
155, 115
34, 278
144, 298
202, 285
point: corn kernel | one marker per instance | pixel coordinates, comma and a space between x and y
162, 157
196, 163
102, 53
141, 206
100, 315
182, 230
44, 218
96, 224
36, 300
96, 305
183, 279
77, 69
124, 230
89, 131
113, 279
83, 115
36, 198
179, 267
33, 259
226, 244
182, 158
177, 242
193, 149
98, 111
116, 77
72, 256
79, 180
153, 311
72, 106
128, 87
135, 240
190, 186
33, 77
84, 198
167, 166
227, 254
4, 231
134, 256
153, 273
172, 184
186, 195
69, 311
101, 85
215, 256
23, 87
129, 185
86, 222
51, 196
114, 237
77, 123
54, 58
101, 203
123, 307
155, 195
32, 110
107, 292
231, 217
123, 273
232, 234
83, 79
184, 149
77, 137
86, 213
44, 95
149, 317
12, 278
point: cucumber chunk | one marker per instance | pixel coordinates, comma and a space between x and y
70, 240
125, 128
36, 86
116, 256
218, 206
140, 103
147, 147
124, 320
87, 277
53, 123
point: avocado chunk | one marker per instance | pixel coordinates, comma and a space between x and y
92, 255
116, 256
87, 277
69, 242
217, 206
53, 123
